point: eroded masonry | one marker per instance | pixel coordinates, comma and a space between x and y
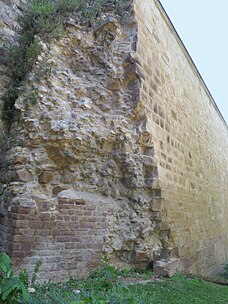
124, 154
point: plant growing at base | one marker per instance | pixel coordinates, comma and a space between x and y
12, 289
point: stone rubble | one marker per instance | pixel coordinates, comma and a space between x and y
116, 151
85, 181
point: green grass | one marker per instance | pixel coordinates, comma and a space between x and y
106, 286
180, 290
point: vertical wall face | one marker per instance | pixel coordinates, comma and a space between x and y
9, 12
82, 178
115, 151
64, 183
191, 143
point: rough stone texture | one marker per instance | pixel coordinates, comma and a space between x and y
9, 12
9, 27
84, 181
123, 154
166, 268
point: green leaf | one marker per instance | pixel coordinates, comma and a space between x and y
5, 294
9, 273
25, 294
5, 263
5, 259
11, 284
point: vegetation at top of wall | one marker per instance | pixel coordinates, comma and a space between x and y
46, 19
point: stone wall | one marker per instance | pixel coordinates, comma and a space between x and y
9, 12
191, 142
9, 28
119, 150
82, 177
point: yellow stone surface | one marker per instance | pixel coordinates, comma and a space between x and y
191, 142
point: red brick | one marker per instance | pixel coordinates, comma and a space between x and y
24, 210
86, 225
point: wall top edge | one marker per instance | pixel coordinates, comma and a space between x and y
188, 57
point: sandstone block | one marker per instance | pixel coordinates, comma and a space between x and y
56, 190
24, 176
157, 204
166, 267
20, 160
143, 256
45, 177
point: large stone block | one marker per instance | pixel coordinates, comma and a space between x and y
166, 268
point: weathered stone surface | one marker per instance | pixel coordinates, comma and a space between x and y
190, 141
115, 158
45, 177
20, 160
24, 175
83, 150
166, 268
9, 12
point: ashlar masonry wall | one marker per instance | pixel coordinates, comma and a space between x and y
124, 153
191, 142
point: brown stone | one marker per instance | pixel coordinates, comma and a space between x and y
24, 176
20, 160
111, 134
56, 190
142, 256
71, 201
157, 204
166, 268
45, 177
114, 85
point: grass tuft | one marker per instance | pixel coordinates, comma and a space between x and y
106, 286
46, 19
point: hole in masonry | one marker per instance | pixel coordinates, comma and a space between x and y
150, 266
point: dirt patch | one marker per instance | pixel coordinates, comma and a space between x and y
129, 281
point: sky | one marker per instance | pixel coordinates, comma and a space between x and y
203, 28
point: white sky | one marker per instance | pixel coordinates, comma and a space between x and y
203, 27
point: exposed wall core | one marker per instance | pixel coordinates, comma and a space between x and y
9, 12
123, 154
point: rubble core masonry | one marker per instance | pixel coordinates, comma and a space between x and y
123, 155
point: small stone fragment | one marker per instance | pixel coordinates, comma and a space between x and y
24, 176
45, 177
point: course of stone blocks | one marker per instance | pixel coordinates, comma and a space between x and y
124, 155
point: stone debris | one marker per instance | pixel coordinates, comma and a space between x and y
166, 268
